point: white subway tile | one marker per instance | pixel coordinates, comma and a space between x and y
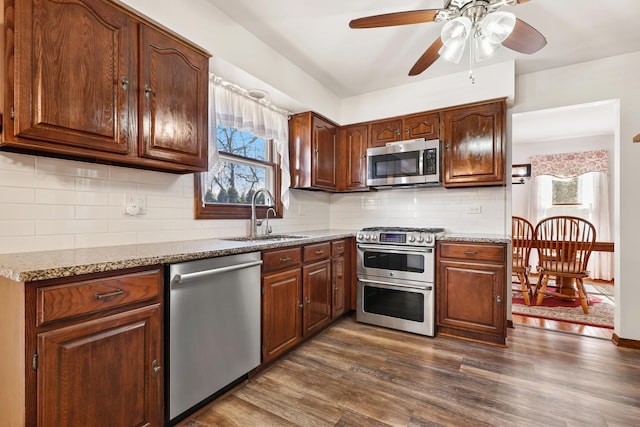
17, 228
17, 162
44, 227
17, 195
36, 243
59, 167
33, 211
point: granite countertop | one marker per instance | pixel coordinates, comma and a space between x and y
33, 266
476, 237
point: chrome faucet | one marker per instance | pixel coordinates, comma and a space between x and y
267, 227
254, 221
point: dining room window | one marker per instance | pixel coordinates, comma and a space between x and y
574, 184
248, 150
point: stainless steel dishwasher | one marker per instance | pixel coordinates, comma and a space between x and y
214, 328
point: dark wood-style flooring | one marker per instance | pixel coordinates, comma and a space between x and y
354, 374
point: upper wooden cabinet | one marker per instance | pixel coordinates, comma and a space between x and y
421, 125
313, 151
90, 79
352, 164
473, 145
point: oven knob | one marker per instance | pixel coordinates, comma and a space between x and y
429, 239
412, 238
359, 236
420, 239
367, 236
374, 237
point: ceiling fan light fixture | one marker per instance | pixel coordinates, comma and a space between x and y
454, 36
483, 48
497, 26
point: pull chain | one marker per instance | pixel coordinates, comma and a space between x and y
471, 76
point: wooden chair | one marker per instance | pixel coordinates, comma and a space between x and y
521, 243
564, 245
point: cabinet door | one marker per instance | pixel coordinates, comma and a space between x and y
474, 148
471, 298
173, 93
75, 77
105, 372
316, 284
281, 312
422, 126
324, 154
385, 131
338, 286
353, 164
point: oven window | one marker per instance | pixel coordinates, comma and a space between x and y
399, 164
411, 263
405, 305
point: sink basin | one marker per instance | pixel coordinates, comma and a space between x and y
267, 238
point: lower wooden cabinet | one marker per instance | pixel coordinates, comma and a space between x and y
303, 290
96, 350
471, 290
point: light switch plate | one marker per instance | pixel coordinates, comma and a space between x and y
475, 209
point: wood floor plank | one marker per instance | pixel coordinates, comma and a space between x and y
354, 374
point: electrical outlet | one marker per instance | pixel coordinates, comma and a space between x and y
135, 204
474, 209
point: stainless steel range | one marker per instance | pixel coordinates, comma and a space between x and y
396, 275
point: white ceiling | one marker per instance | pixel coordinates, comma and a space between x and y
316, 37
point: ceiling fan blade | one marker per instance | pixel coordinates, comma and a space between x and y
524, 38
428, 57
396, 18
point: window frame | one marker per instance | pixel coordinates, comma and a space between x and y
240, 211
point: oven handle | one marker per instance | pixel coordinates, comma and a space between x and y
403, 249
397, 285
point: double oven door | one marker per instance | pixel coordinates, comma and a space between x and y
395, 287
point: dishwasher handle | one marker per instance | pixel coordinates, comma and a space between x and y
179, 279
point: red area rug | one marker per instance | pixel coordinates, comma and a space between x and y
555, 308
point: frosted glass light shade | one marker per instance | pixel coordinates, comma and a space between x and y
454, 36
483, 48
497, 26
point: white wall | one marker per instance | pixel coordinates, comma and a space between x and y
600, 80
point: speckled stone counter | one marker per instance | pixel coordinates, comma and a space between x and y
478, 238
33, 266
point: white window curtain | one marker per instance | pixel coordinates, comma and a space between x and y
230, 105
592, 170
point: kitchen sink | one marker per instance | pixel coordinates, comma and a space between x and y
266, 238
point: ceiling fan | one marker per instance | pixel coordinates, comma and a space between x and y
475, 20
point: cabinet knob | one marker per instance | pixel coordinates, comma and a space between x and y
308, 301
124, 83
447, 147
300, 305
147, 90
499, 299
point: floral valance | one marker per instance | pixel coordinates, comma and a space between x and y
569, 165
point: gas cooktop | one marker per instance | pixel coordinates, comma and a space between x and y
404, 236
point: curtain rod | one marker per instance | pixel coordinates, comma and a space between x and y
245, 93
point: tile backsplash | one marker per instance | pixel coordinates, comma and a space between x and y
49, 204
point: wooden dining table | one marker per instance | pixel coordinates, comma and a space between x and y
567, 284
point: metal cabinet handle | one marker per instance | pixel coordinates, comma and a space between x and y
109, 294
447, 147
285, 259
124, 83
471, 252
155, 368
499, 299
319, 252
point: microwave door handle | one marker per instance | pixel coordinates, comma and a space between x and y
396, 285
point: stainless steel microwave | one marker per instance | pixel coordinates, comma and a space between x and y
412, 162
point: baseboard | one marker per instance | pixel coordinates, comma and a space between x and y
624, 342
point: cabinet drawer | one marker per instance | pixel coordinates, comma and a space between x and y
281, 259
317, 251
473, 251
338, 247
92, 296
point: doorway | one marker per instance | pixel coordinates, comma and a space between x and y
575, 128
